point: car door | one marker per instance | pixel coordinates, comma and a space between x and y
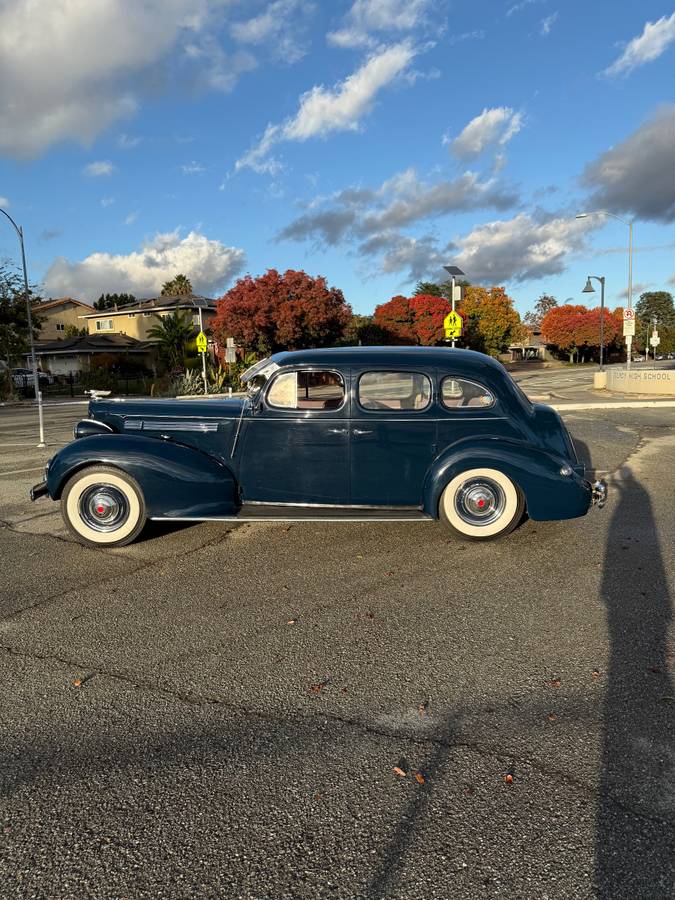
393, 436
296, 442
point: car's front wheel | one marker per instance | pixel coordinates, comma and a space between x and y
481, 504
103, 506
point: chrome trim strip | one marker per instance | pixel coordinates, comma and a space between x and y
331, 505
180, 425
96, 422
314, 519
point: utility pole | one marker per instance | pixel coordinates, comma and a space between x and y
26, 290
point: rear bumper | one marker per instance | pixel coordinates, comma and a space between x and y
39, 490
598, 494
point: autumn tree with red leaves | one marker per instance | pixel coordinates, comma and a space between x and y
413, 320
281, 312
574, 329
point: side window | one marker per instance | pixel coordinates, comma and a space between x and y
307, 390
458, 392
394, 390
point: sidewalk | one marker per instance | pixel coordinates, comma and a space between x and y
582, 397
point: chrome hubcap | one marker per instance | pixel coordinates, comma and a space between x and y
480, 501
104, 507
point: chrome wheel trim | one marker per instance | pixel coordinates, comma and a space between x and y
480, 501
103, 508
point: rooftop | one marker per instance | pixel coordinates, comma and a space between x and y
193, 301
93, 343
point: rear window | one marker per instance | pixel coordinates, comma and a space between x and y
394, 391
459, 393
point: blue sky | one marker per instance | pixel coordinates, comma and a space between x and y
369, 141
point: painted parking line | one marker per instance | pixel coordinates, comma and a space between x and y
21, 471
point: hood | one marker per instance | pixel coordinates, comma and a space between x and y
114, 411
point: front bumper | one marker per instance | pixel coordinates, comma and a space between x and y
39, 490
598, 494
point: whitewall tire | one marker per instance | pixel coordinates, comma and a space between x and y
103, 506
481, 504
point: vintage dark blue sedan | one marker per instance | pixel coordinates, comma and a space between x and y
345, 434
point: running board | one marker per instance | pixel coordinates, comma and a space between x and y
272, 513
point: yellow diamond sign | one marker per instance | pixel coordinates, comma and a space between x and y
452, 325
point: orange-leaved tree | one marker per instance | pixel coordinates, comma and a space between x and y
491, 322
275, 311
574, 328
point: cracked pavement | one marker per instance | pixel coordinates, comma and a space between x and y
218, 711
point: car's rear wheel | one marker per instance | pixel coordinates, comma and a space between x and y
103, 506
481, 505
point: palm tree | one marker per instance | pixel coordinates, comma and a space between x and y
180, 286
172, 333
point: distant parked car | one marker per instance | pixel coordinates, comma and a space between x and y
336, 435
24, 377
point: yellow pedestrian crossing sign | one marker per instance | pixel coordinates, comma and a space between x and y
202, 342
452, 325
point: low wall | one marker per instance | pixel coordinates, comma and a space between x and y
641, 381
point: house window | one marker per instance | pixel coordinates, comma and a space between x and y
132, 315
104, 324
60, 326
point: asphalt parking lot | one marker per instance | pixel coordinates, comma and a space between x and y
221, 711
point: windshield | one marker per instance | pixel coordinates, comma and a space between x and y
256, 375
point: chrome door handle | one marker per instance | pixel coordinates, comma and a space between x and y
361, 431
337, 431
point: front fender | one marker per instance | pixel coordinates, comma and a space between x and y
548, 494
177, 481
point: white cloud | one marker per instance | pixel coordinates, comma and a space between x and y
322, 111
493, 126
656, 37
193, 168
520, 248
209, 265
128, 142
132, 217
4, 202
368, 16
98, 168
277, 26
519, 7
107, 201
548, 23
70, 68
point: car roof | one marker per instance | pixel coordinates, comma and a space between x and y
442, 357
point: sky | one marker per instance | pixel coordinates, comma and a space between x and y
368, 141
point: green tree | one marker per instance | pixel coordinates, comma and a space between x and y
544, 304
172, 334
436, 289
110, 301
71, 331
656, 305
180, 286
13, 315
363, 331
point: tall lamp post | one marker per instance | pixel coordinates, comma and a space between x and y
453, 272
602, 212
589, 289
36, 383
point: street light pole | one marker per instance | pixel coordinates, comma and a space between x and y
629, 298
453, 271
36, 383
589, 289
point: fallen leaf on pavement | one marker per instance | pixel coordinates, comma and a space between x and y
419, 778
552, 717
508, 778
78, 682
555, 682
318, 687
596, 673
291, 621
398, 771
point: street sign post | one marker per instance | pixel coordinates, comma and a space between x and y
629, 322
230, 351
655, 340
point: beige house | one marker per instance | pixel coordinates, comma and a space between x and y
136, 320
57, 315
533, 347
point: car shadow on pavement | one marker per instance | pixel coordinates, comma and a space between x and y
634, 855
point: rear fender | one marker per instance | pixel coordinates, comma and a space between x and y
177, 481
548, 493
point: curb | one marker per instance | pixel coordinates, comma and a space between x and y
615, 404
